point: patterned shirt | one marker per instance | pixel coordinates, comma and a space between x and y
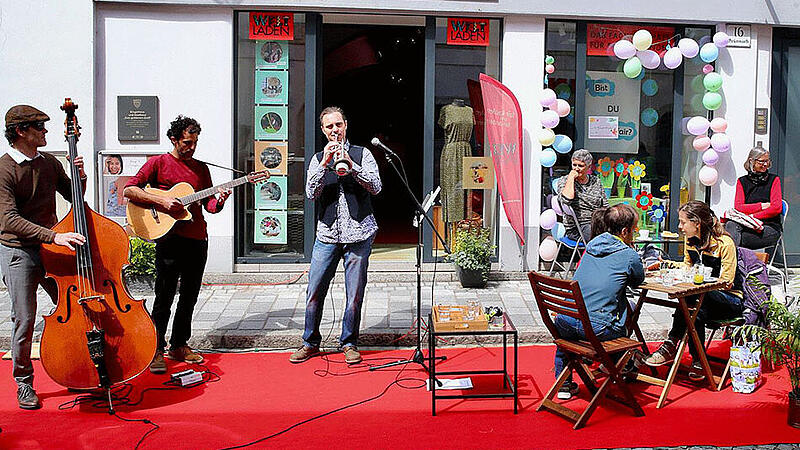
588, 197
345, 229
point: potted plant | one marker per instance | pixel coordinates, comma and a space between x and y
779, 342
471, 254
141, 272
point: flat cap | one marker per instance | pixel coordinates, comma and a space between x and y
23, 114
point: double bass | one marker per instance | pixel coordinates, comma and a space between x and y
98, 335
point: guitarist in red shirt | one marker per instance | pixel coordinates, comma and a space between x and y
182, 252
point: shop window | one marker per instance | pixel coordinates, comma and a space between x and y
269, 134
462, 167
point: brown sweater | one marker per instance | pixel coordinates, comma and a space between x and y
28, 201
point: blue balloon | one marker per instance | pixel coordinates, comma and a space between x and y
649, 117
640, 76
558, 231
650, 87
562, 144
548, 157
709, 52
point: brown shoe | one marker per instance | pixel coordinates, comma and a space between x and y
185, 354
351, 354
26, 397
303, 353
158, 365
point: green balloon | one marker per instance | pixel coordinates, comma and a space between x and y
549, 59
697, 84
712, 81
632, 67
712, 100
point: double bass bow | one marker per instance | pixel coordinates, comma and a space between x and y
97, 335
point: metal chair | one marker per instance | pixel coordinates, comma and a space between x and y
784, 274
556, 296
577, 247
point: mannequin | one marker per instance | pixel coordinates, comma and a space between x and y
457, 121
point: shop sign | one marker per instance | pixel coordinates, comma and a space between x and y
271, 26
739, 35
463, 31
600, 37
761, 120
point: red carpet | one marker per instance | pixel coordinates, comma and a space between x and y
261, 394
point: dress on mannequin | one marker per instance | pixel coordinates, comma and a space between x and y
458, 122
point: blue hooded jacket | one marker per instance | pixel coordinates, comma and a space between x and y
608, 266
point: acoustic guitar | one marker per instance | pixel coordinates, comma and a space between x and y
150, 222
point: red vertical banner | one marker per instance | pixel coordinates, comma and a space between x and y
476, 100
503, 135
271, 26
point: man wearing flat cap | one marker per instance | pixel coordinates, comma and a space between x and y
29, 181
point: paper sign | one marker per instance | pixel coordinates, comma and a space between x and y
478, 172
270, 122
272, 87
270, 156
463, 31
603, 127
271, 194
600, 37
275, 26
270, 227
272, 55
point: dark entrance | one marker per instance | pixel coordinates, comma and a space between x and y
375, 73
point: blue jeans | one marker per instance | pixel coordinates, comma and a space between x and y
571, 328
717, 305
324, 259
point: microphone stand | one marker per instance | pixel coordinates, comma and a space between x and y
417, 357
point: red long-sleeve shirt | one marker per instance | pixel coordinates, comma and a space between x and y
775, 202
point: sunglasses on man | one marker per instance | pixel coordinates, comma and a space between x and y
38, 126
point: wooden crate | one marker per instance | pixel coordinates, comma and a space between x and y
457, 318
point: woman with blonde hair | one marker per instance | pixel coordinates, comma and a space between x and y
759, 195
706, 243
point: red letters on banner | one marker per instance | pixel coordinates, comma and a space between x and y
461, 31
272, 26
600, 37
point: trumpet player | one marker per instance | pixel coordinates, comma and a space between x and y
341, 180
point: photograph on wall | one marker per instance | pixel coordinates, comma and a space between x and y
271, 122
271, 194
120, 164
612, 99
271, 156
272, 55
272, 87
113, 201
477, 172
270, 227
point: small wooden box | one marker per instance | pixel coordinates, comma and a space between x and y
458, 318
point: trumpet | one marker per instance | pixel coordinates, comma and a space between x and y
341, 165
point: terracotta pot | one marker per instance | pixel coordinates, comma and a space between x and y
794, 410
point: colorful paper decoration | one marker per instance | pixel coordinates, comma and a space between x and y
657, 213
621, 168
644, 201
605, 166
637, 170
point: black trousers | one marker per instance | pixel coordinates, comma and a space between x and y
177, 258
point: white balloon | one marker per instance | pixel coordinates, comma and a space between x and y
721, 39
549, 119
720, 142
548, 249
708, 176
649, 59
710, 157
642, 39
547, 97
562, 108
697, 125
688, 47
546, 137
673, 58
547, 219
624, 49
719, 125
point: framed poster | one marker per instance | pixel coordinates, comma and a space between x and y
271, 156
272, 55
272, 87
270, 227
270, 122
114, 202
116, 170
271, 194
477, 172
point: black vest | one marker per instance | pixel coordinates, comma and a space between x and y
358, 198
760, 193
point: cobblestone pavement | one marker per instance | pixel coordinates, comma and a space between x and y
272, 316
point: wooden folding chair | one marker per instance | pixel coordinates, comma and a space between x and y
558, 296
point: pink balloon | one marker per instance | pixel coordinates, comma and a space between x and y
708, 68
719, 125
708, 176
547, 219
562, 108
556, 205
649, 58
673, 58
548, 249
710, 157
701, 143
624, 49
697, 125
547, 97
549, 68
549, 119
720, 142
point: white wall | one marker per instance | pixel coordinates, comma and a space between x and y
185, 57
46, 54
523, 66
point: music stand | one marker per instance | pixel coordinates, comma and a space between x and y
421, 212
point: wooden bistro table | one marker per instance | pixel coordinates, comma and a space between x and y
676, 299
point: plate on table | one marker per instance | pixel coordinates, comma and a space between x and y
711, 280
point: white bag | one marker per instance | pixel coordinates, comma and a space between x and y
745, 367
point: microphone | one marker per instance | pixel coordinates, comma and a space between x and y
377, 143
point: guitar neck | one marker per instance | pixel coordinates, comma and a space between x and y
200, 195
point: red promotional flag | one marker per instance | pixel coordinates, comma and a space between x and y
503, 136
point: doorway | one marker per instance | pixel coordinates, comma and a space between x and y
376, 74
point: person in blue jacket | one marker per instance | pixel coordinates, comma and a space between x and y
609, 266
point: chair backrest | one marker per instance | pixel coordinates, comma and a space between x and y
554, 295
762, 256
784, 210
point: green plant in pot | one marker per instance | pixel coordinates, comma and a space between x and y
780, 344
142, 268
471, 254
